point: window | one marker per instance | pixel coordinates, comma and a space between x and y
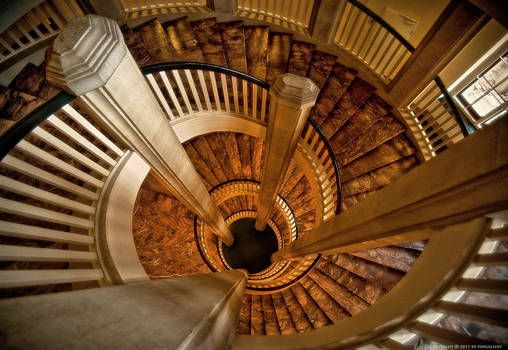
485, 98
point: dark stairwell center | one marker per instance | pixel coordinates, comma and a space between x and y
252, 248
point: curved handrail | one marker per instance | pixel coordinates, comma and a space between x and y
25, 125
382, 22
329, 148
154, 68
465, 126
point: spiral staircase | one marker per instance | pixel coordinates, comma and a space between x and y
353, 145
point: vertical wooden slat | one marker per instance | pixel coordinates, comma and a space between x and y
190, 81
204, 89
235, 94
160, 96
254, 100
215, 90
171, 93
225, 92
245, 92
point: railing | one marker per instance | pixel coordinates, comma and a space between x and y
139, 8
480, 307
368, 38
315, 145
34, 28
175, 85
435, 120
299, 15
223, 90
55, 162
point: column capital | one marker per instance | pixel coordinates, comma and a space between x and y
85, 54
295, 89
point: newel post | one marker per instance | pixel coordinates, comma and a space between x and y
291, 98
90, 59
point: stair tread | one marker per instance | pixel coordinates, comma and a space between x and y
373, 110
392, 150
311, 309
156, 42
333, 89
347, 300
32, 80
182, 38
379, 177
14, 104
208, 35
357, 285
355, 96
321, 66
300, 57
257, 146
257, 319
244, 150
374, 135
215, 141
271, 325
206, 174
371, 271
206, 153
398, 258
326, 303
136, 46
231, 147
233, 39
279, 47
244, 315
161, 225
300, 319
256, 45
350, 201
285, 322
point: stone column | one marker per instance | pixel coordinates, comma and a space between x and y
291, 98
189, 312
468, 180
90, 59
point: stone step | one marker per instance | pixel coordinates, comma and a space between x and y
333, 89
271, 324
383, 276
320, 68
156, 42
233, 39
378, 178
279, 47
395, 257
391, 151
256, 45
326, 303
208, 35
14, 104
181, 37
373, 110
32, 81
136, 47
300, 57
299, 317
315, 315
357, 285
347, 300
244, 317
353, 98
374, 135
284, 320
257, 321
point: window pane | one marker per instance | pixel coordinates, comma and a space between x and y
497, 73
473, 92
502, 89
487, 104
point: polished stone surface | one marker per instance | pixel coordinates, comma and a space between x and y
251, 249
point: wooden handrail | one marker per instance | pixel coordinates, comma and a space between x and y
465, 126
25, 125
382, 22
